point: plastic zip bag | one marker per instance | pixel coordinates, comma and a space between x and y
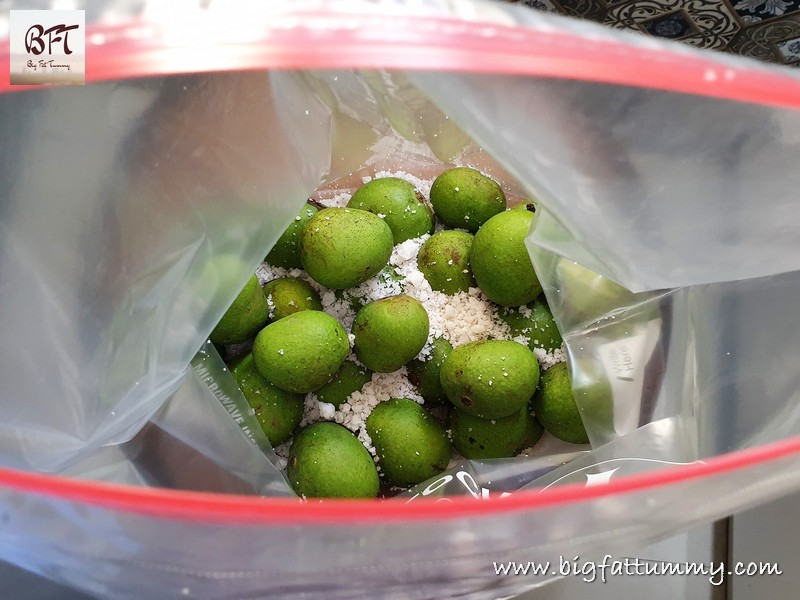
226, 187
183, 184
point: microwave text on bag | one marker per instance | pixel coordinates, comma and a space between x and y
225, 400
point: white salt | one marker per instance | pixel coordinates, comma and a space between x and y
547, 358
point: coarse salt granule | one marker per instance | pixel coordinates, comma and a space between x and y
311, 411
364, 438
406, 252
267, 272
339, 308
339, 200
547, 359
326, 411
521, 339
271, 306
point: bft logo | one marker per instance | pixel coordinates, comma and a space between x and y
58, 34
47, 47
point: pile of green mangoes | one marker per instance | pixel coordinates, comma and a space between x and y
490, 386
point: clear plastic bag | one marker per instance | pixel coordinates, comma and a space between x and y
117, 264
134, 208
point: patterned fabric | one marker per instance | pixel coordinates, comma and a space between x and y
768, 30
